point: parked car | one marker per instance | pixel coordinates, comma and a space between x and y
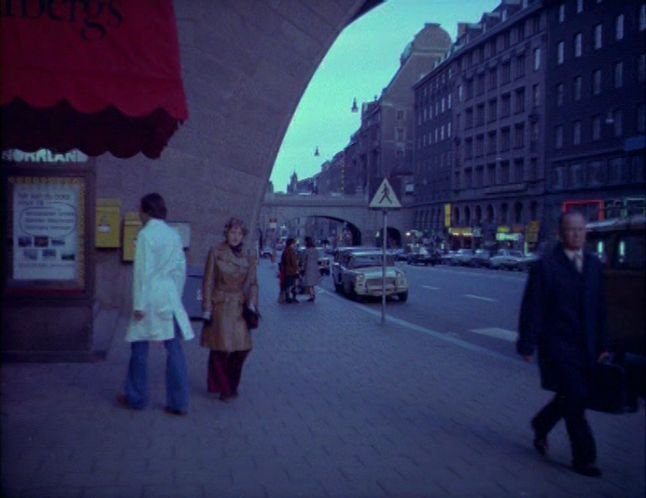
266, 252
481, 258
447, 258
508, 259
423, 256
359, 274
462, 257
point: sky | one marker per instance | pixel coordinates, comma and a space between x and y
360, 63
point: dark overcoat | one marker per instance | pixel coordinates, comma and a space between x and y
563, 315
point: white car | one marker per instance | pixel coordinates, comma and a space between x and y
360, 274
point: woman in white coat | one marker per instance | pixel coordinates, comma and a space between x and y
159, 315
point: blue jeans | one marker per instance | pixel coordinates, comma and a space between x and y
176, 374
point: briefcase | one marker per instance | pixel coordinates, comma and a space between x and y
611, 390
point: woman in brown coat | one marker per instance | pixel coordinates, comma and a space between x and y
229, 285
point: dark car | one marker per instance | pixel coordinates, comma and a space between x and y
481, 258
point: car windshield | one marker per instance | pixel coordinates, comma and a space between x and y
365, 260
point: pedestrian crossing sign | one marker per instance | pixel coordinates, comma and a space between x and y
385, 197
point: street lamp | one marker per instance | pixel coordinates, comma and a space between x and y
354, 108
316, 151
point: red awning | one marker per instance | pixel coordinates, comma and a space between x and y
96, 75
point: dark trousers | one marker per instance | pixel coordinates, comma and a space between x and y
569, 403
290, 287
224, 371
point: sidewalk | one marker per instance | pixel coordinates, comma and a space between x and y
331, 405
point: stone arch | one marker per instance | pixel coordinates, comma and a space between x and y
244, 64
491, 213
478, 214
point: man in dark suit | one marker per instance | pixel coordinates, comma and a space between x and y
563, 314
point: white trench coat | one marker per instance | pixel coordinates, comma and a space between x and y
159, 277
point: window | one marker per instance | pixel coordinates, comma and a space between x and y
519, 135
577, 175
595, 173
642, 17
448, 130
400, 134
480, 115
560, 94
598, 36
537, 59
558, 137
481, 84
504, 178
519, 170
557, 177
448, 101
400, 115
619, 27
520, 66
560, 53
578, 45
596, 82
504, 139
577, 84
460, 93
619, 74
618, 125
520, 100
491, 142
505, 70
493, 110
506, 105
491, 174
561, 13
493, 78
641, 118
536, 95
468, 118
443, 104
641, 68
576, 133
579, 6
468, 148
479, 145
596, 127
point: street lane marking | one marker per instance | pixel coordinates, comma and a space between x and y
442, 336
498, 333
482, 298
430, 287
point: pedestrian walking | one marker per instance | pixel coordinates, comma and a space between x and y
563, 315
290, 267
311, 272
229, 286
159, 315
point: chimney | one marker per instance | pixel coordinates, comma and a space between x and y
462, 28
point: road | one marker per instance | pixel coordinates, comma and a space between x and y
479, 306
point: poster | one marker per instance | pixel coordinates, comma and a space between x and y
47, 228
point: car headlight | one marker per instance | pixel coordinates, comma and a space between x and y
360, 278
401, 279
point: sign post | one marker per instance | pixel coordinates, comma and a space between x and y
384, 199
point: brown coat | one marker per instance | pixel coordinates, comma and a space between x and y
290, 261
229, 280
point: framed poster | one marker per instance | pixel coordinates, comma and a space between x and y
46, 224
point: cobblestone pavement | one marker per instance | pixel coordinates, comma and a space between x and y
331, 404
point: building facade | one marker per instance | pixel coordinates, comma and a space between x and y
479, 132
596, 76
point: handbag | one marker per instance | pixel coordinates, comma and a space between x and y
251, 318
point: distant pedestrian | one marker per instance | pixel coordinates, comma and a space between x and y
229, 286
311, 272
159, 276
563, 314
289, 264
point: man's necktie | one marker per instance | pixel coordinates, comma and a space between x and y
578, 261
